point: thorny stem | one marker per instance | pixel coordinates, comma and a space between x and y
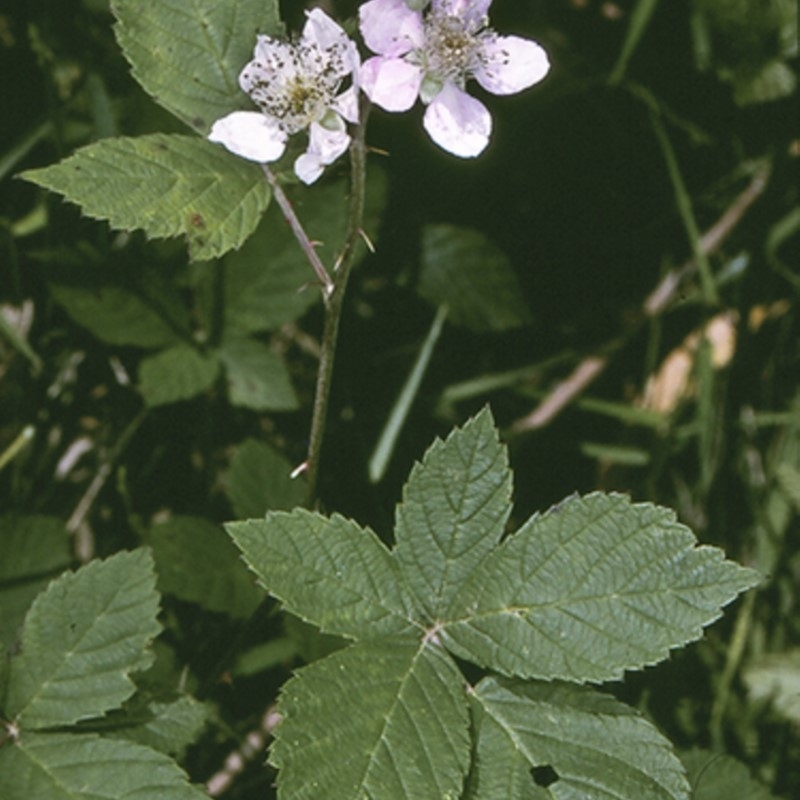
333, 305
299, 232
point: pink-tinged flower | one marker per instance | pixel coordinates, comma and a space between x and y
298, 87
432, 55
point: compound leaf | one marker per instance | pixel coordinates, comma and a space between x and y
81, 639
166, 185
593, 587
577, 742
454, 509
406, 737
327, 570
188, 56
78, 767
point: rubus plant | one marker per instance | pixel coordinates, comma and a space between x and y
595, 586
475, 650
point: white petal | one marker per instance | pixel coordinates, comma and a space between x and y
390, 27
511, 64
458, 123
324, 147
346, 104
391, 83
321, 29
473, 12
250, 135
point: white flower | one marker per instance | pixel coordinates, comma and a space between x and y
432, 55
297, 86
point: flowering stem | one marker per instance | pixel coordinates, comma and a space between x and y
334, 300
299, 231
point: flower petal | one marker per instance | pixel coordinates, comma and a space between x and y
324, 147
346, 104
322, 30
390, 27
391, 83
474, 12
458, 123
250, 135
510, 64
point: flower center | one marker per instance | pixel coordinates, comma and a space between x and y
296, 83
452, 46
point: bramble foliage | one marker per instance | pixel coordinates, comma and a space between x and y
615, 276
591, 588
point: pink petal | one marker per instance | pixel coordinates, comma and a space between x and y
391, 83
458, 123
510, 64
250, 135
346, 104
324, 147
390, 27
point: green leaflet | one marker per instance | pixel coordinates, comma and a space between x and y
179, 373
454, 510
166, 185
463, 270
257, 377
119, 316
593, 587
82, 638
34, 549
259, 479
328, 571
384, 719
717, 776
75, 767
587, 739
198, 563
188, 55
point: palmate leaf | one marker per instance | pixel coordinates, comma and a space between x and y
166, 185
595, 586
327, 570
67, 766
81, 639
454, 509
384, 719
593, 745
188, 55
